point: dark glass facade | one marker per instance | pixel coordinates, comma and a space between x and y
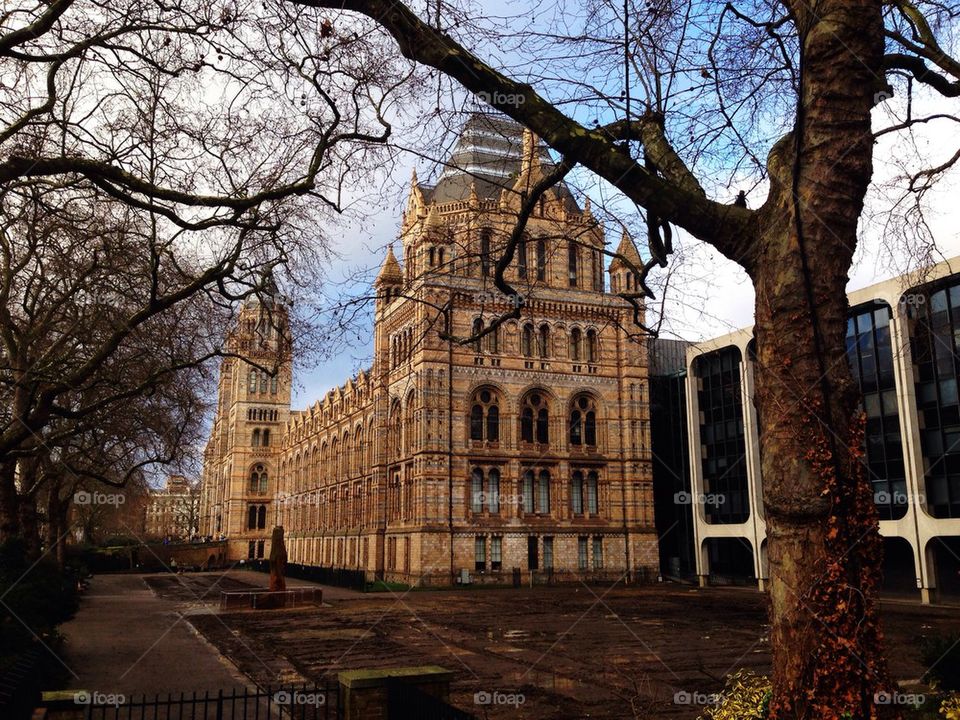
870, 352
934, 314
722, 437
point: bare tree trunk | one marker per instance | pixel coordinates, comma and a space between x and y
9, 501
824, 546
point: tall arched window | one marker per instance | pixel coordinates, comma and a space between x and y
262, 517
541, 260
592, 353
265, 437
485, 252
543, 341
258, 479
522, 257
583, 421
526, 341
252, 517
573, 258
485, 416
576, 493
476, 330
252, 381
476, 490
493, 491
535, 488
492, 340
592, 503
535, 419
255, 439
576, 340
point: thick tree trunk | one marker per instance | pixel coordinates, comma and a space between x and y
824, 547
9, 501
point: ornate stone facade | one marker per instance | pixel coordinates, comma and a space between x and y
523, 455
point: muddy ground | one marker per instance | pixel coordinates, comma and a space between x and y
572, 652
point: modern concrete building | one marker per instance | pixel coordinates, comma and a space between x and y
902, 340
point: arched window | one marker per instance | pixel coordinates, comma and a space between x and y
477, 329
262, 517
526, 341
476, 422
576, 493
522, 257
266, 437
543, 496
432, 253
592, 504
543, 341
263, 382
485, 252
541, 260
535, 487
592, 346
273, 385
535, 419
255, 439
493, 491
252, 517
583, 421
485, 416
258, 479
476, 490
252, 381
576, 339
573, 253
492, 340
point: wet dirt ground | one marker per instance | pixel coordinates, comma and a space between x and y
571, 652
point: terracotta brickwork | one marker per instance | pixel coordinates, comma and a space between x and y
524, 454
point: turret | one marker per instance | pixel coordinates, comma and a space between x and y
623, 278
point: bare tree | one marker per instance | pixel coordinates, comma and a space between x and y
768, 94
161, 161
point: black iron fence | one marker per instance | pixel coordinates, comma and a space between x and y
303, 702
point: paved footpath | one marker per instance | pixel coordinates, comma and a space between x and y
124, 639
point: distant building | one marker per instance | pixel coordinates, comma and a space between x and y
522, 456
903, 337
174, 510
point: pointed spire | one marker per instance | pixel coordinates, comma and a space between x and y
530, 155
390, 272
587, 210
416, 201
628, 249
